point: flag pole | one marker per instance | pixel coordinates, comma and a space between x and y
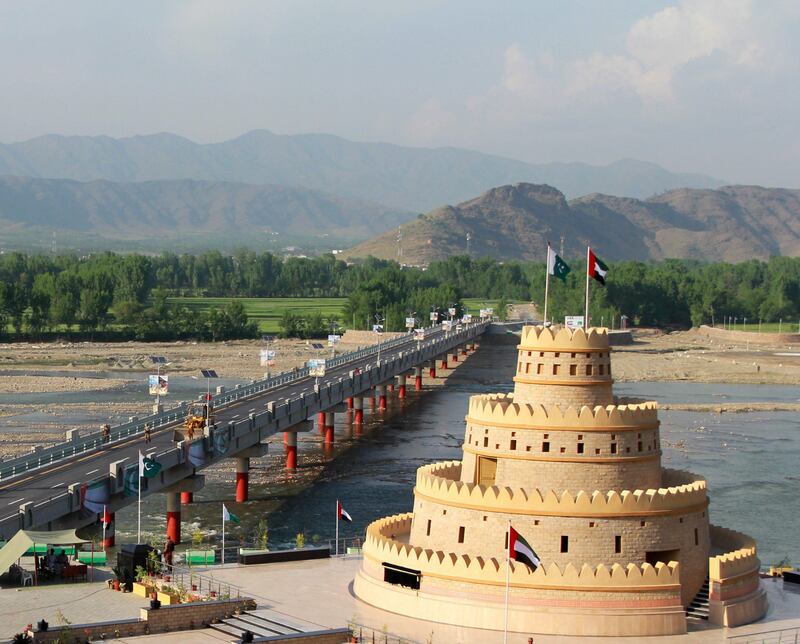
139, 504
588, 268
336, 547
223, 537
546, 282
104, 532
508, 574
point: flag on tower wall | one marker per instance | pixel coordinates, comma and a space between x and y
596, 268
520, 550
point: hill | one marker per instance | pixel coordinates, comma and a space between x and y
404, 178
164, 210
733, 223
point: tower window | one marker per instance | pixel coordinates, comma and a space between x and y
696, 537
640, 446
555, 369
588, 370
564, 543
618, 544
580, 448
461, 534
573, 369
428, 530
513, 444
601, 369
613, 448
539, 368
546, 446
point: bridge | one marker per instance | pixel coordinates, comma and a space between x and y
70, 484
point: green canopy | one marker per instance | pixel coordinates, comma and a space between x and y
24, 539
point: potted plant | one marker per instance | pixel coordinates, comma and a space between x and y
143, 584
117, 577
300, 541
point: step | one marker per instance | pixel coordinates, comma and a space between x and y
260, 622
242, 626
298, 625
225, 628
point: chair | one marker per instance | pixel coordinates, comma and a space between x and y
26, 578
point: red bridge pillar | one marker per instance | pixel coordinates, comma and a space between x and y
321, 422
381, 397
329, 424
109, 529
242, 478
290, 438
358, 408
174, 516
401, 388
418, 378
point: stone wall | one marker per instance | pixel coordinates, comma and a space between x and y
179, 617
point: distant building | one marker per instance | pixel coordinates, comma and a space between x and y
625, 546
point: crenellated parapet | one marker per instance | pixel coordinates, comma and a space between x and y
500, 410
440, 482
550, 339
740, 556
382, 545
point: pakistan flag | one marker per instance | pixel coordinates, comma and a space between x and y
556, 266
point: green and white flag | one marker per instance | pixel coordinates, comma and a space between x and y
148, 467
229, 516
557, 266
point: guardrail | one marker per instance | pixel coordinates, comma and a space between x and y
16, 466
782, 636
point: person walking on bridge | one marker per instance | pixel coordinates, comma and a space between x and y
106, 433
147, 435
169, 549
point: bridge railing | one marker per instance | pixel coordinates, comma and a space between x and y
92, 441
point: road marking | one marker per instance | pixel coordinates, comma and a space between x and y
92, 472
17, 501
56, 485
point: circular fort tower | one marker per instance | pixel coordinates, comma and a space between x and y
624, 544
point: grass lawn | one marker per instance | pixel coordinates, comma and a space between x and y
788, 326
267, 311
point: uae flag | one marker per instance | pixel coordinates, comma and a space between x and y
556, 266
342, 513
597, 269
520, 550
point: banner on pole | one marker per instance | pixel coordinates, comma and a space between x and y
333, 339
410, 323
266, 355
158, 385
316, 367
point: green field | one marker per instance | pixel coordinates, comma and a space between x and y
267, 311
787, 326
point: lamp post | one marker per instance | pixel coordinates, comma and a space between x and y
208, 374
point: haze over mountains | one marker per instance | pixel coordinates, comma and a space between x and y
167, 209
733, 223
402, 178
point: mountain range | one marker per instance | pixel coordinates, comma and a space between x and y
401, 178
164, 210
732, 223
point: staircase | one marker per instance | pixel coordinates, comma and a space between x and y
698, 609
264, 623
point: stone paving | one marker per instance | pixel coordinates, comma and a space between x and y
79, 602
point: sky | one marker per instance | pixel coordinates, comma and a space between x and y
706, 86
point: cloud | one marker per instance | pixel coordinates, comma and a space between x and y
656, 49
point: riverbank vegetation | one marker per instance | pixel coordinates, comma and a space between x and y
211, 296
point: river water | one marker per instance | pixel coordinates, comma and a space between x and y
751, 461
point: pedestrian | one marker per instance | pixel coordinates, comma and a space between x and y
147, 436
106, 433
169, 548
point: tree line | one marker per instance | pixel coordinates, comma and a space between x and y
125, 296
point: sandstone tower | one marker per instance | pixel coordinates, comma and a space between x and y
625, 545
